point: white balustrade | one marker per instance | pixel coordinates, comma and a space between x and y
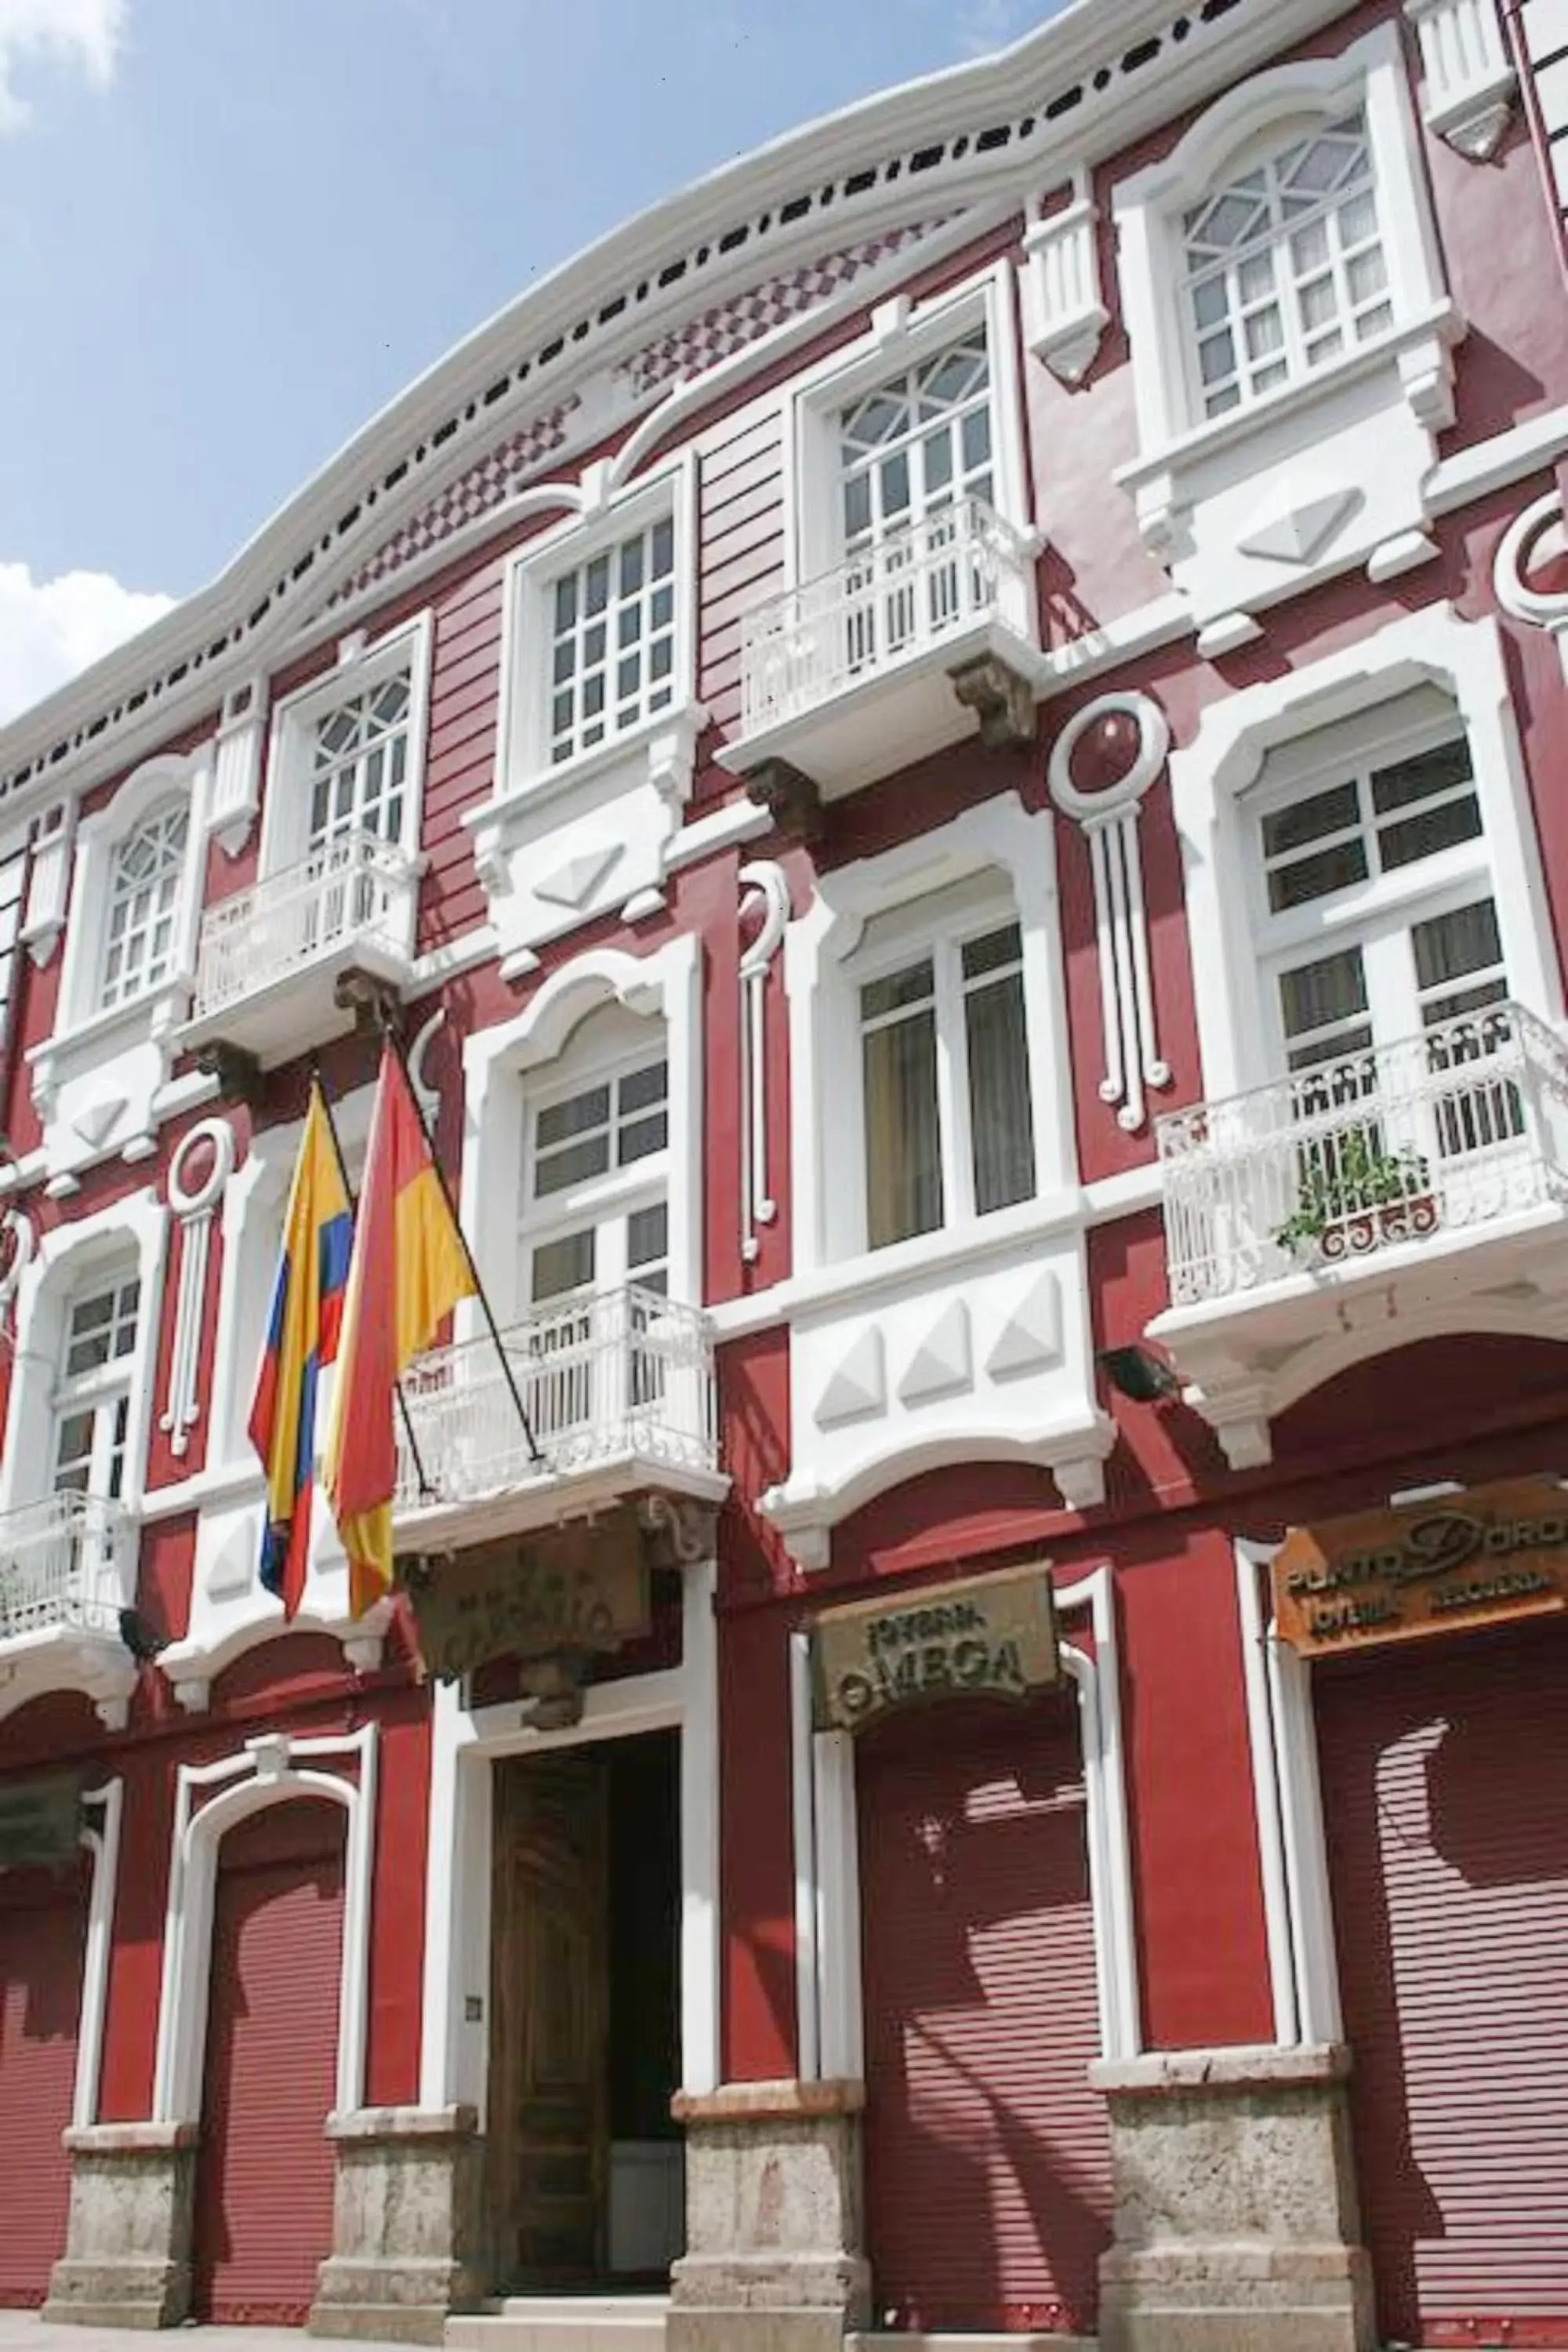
881, 608
1458, 1127
355, 890
603, 1376
62, 1566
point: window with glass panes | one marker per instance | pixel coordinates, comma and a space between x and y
1284, 266
947, 1106
611, 641
92, 1400
359, 764
143, 905
916, 444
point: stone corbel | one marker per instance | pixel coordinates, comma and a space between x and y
1063, 308
1471, 83
50, 841
683, 1531
792, 798
236, 1070
1426, 371
236, 765
1002, 699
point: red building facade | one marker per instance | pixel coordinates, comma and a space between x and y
947, 756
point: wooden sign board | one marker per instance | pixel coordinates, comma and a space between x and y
1472, 1558
989, 1636
40, 1822
579, 1588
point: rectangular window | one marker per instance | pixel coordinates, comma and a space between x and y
359, 764
608, 1126
962, 1005
1284, 266
93, 1401
611, 627
1371, 824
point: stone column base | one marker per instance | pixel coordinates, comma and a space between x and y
405, 2224
1235, 2212
127, 2262
773, 2219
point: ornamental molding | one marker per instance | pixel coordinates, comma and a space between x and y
1065, 311
195, 1196
1470, 84
1080, 88
765, 890
1109, 822
1537, 535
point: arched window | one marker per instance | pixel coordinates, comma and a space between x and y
139, 925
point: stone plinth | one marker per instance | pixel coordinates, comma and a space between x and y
127, 2262
1236, 2217
405, 2224
775, 2232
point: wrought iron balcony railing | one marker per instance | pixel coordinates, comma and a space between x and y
881, 608
354, 891
62, 1566
1459, 1127
604, 1375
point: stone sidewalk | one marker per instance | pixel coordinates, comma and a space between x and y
24, 2331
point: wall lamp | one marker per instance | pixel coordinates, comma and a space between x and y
1138, 1374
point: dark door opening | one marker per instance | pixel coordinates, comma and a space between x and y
586, 2179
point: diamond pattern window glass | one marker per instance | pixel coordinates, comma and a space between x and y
916, 444
612, 642
144, 899
1285, 268
359, 764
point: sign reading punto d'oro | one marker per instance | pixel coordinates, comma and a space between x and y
989, 1636
1470, 1558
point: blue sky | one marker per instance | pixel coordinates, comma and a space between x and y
231, 230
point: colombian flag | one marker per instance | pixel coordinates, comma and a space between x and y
301, 1336
409, 1270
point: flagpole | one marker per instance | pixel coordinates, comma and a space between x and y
427, 1493
534, 1454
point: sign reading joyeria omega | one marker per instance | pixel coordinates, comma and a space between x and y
990, 1636
1462, 1559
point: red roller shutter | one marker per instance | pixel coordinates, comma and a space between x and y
43, 1941
1445, 1794
987, 2157
264, 2200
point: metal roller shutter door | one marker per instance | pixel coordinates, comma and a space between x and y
264, 2200
1446, 1793
987, 2155
43, 1942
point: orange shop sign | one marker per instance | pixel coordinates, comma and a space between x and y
1464, 1560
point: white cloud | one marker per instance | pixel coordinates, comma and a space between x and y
982, 25
82, 35
50, 629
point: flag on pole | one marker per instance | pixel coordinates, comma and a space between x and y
409, 1270
301, 1336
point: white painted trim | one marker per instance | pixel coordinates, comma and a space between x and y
1298, 1906
285, 808
268, 1771
104, 1844
454, 2049
166, 778
1496, 463
839, 1995
803, 1825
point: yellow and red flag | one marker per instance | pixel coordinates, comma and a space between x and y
408, 1271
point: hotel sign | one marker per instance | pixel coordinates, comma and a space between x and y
575, 1589
1472, 1558
40, 1823
990, 1636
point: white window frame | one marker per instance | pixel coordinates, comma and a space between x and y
523, 762
903, 335
1150, 208
97, 1391
605, 1202
963, 913
361, 665
1213, 780
123, 892
154, 1010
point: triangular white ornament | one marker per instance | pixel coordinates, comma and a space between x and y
943, 1363
860, 1385
1032, 1335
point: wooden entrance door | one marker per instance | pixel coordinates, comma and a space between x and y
548, 2120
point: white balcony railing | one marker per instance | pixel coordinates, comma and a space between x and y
882, 608
1462, 1127
62, 1565
354, 891
604, 1376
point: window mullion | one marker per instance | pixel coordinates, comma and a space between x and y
952, 1086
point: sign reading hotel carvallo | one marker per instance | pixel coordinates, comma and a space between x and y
573, 1588
991, 1636
1471, 1558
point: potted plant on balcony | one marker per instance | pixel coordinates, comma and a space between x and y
1353, 1196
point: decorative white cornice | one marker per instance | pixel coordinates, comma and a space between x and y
1471, 83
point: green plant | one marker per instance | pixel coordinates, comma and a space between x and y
1345, 1176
